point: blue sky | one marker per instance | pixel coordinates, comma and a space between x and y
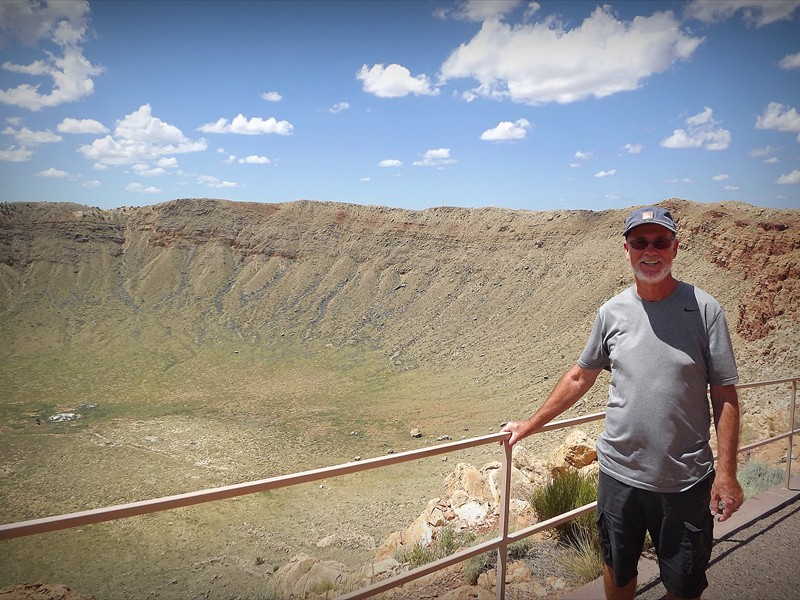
525, 105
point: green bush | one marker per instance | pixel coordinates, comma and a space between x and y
756, 477
417, 555
567, 490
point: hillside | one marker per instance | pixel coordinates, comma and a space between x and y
206, 342
487, 288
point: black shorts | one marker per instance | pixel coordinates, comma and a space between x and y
680, 525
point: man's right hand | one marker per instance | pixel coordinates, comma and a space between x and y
518, 430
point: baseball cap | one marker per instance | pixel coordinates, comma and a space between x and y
649, 214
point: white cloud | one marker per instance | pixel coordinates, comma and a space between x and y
506, 130
271, 96
633, 148
755, 12
394, 81
26, 137
438, 157
478, 10
601, 174
340, 107
580, 155
81, 126
147, 171
53, 173
781, 118
255, 160
244, 126
790, 61
762, 152
702, 131
720, 177
731, 188
142, 126
789, 179
766, 154
140, 138
139, 188
542, 62
63, 24
365, 179
390, 162
213, 182
167, 162
92, 183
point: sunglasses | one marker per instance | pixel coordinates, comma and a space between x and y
658, 243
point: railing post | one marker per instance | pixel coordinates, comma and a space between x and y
791, 435
505, 507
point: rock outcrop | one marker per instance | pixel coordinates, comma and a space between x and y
471, 503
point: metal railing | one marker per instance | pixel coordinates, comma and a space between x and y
499, 543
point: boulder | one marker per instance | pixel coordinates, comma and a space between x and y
383, 569
577, 451
421, 531
532, 467
390, 546
307, 577
473, 503
467, 478
520, 582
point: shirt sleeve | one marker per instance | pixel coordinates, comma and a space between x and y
722, 363
595, 354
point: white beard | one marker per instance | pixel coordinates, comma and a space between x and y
651, 276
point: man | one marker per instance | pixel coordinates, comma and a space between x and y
664, 342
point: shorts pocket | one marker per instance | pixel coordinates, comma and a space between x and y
696, 545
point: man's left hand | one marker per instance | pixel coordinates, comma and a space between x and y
726, 497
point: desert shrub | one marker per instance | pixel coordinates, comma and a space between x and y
566, 491
585, 558
477, 565
488, 560
417, 555
447, 543
756, 477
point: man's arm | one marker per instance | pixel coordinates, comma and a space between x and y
726, 488
572, 385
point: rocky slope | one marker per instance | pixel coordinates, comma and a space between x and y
455, 287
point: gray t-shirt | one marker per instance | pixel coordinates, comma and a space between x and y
662, 357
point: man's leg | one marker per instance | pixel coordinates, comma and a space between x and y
621, 528
683, 540
627, 592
